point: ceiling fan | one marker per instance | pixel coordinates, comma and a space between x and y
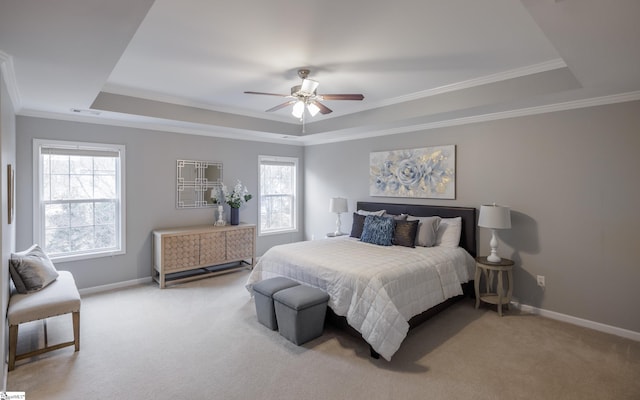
304, 97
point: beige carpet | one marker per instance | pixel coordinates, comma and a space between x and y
201, 340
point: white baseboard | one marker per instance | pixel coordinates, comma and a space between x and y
112, 286
625, 333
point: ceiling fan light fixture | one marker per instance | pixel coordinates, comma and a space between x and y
298, 109
313, 109
308, 87
304, 97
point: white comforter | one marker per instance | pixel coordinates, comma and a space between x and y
377, 288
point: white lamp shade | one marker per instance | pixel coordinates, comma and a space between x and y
308, 86
495, 217
313, 109
338, 205
298, 109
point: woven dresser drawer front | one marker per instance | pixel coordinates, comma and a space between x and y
240, 244
212, 248
180, 251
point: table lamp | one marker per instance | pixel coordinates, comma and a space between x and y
338, 205
494, 217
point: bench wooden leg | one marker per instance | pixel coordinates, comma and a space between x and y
13, 342
13, 345
76, 329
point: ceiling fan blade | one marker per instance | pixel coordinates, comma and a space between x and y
283, 105
270, 94
342, 96
323, 109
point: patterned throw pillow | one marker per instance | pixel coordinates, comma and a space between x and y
378, 230
404, 233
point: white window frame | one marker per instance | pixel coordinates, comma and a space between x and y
284, 160
38, 204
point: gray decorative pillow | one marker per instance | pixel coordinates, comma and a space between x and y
31, 270
357, 225
400, 217
427, 230
378, 230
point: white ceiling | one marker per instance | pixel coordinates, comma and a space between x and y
183, 65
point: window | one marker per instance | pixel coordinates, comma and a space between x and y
78, 199
278, 194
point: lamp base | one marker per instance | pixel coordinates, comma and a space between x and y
493, 257
338, 232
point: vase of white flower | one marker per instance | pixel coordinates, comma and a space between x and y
235, 216
235, 199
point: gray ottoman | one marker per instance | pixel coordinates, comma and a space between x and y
300, 311
263, 292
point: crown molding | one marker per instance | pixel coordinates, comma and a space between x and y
501, 76
521, 112
164, 98
9, 75
160, 125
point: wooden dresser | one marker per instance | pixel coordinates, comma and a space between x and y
194, 252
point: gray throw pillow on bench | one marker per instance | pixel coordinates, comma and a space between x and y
31, 270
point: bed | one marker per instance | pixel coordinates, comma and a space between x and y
381, 291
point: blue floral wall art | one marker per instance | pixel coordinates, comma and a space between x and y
428, 172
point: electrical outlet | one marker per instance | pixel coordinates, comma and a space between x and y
541, 280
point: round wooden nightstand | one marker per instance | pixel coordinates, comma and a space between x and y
488, 269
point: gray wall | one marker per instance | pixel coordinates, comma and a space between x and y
7, 231
150, 188
571, 179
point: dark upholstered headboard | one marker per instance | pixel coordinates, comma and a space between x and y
468, 214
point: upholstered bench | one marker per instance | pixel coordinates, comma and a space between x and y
58, 298
300, 312
263, 293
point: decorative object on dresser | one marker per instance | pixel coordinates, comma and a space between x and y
220, 221
494, 217
235, 199
338, 205
428, 172
183, 254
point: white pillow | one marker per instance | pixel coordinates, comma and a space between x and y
379, 213
449, 232
427, 229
